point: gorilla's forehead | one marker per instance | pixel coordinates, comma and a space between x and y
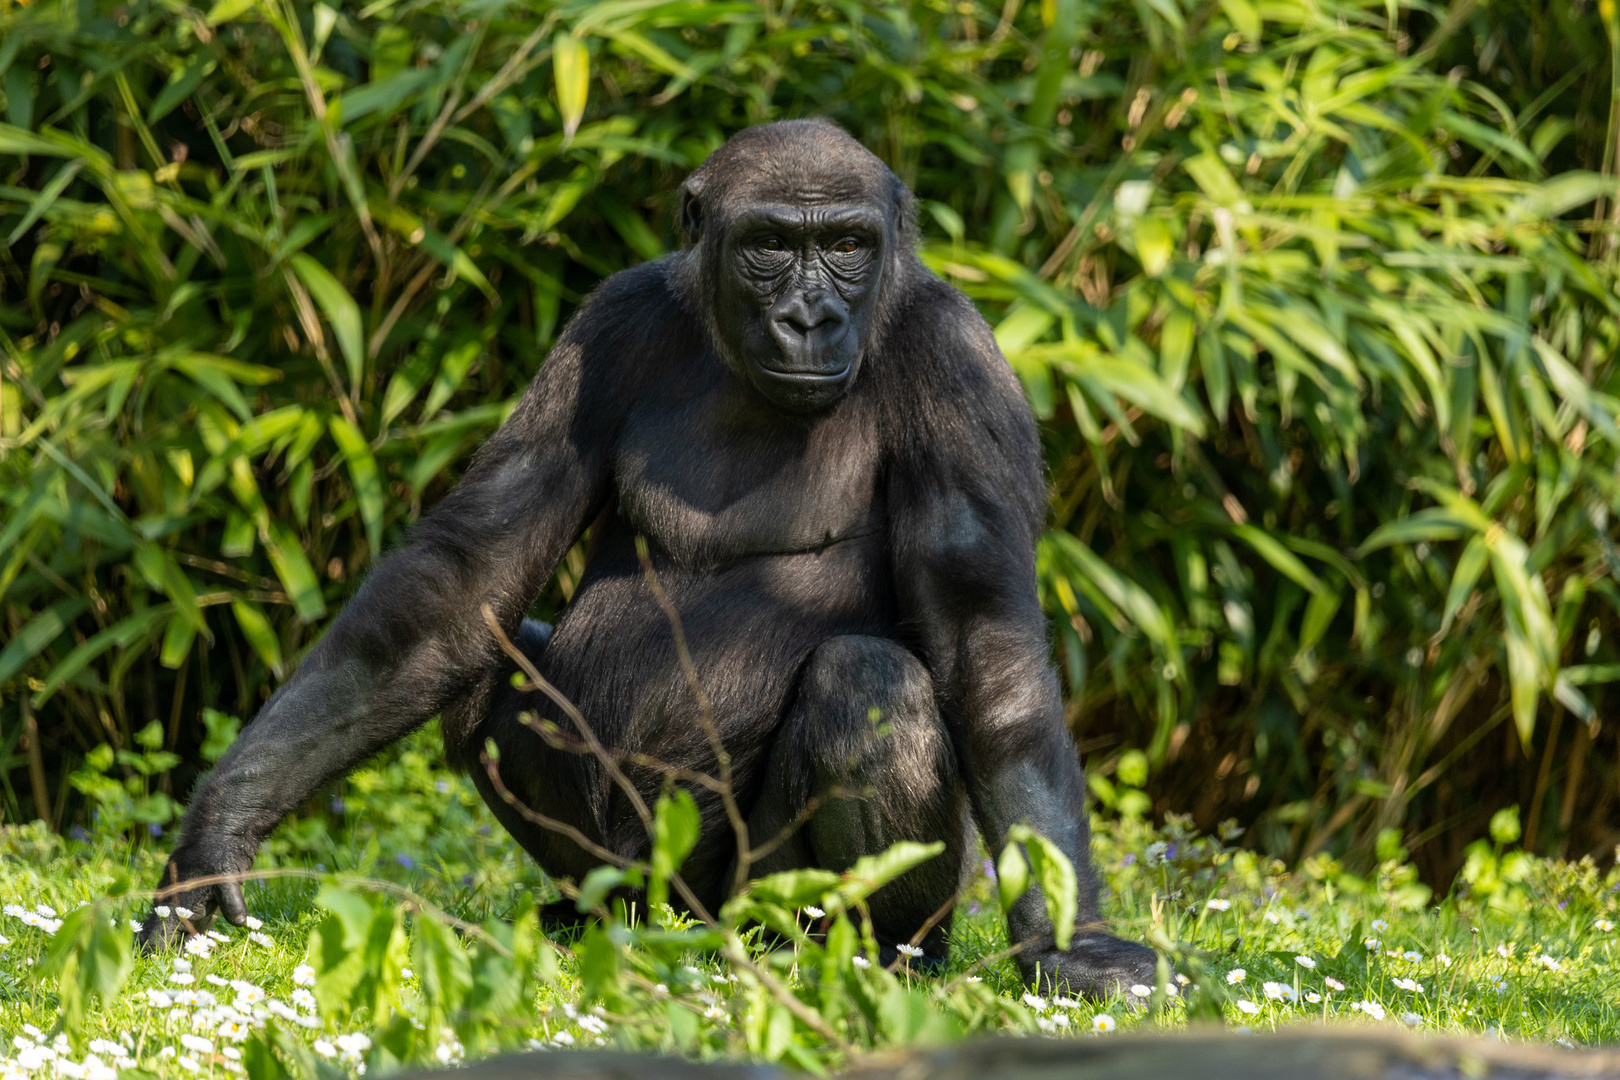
797, 162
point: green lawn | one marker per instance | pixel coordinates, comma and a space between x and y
1530, 954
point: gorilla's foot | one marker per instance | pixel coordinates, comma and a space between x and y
1096, 965
561, 918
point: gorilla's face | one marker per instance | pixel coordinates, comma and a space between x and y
796, 294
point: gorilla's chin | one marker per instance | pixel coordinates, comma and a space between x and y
800, 391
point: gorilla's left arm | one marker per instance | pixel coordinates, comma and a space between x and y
967, 503
412, 642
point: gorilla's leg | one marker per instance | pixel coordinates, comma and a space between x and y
563, 786
864, 738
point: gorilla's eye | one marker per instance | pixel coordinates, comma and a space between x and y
772, 243
847, 246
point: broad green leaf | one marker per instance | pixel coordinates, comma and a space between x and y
676, 825
871, 872
1055, 873
256, 628
226, 10
1012, 876
340, 310
297, 576
37, 633
367, 479
571, 66
1284, 561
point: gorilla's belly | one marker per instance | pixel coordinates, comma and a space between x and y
749, 626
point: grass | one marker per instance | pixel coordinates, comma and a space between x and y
1527, 951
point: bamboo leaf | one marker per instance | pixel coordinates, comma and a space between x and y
571, 66
340, 310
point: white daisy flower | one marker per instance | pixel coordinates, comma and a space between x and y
861, 962
1141, 990
1035, 1002
184, 912
253, 924
197, 1043
1604, 925
1411, 985
1103, 1023
1313, 997
814, 912
325, 1048
183, 978
303, 975
260, 939
1333, 984
1235, 976
593, 1024
1412, 956
1217, 905
162, 911
1380, 925
1276, 991
909, 950
303, 999
1305, 962
1247, 1007
562, 1038
1371, 943
1371, 1008
1547, 962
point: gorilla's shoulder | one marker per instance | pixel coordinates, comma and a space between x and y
946, 345
640, 297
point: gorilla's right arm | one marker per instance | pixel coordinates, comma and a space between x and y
412, 643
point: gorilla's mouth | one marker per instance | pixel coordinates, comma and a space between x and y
809, 376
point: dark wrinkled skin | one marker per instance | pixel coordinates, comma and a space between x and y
840, 485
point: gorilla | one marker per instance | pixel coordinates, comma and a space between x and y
839, 485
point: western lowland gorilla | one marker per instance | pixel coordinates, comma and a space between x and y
839, 485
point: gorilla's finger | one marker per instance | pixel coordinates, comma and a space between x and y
231, 904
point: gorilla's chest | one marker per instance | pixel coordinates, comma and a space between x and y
714, 479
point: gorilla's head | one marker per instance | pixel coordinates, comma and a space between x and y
796, 233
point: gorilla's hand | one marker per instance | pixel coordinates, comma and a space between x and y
191, 894
1096, 965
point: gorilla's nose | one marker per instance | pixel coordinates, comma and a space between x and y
809, 329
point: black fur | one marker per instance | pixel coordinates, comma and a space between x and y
865, 543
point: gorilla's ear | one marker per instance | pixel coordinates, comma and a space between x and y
689, 212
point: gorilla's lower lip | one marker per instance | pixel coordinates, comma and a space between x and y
806, 376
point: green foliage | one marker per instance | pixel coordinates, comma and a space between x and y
399, 983
1315, 301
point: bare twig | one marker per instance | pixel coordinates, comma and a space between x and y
573, 713
705, 714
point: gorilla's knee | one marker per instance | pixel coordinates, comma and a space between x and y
866, 707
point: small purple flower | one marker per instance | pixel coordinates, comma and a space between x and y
442, 786
467, 879
1129, 859
155, 829
1170, 852
973, 908
989, 869
1562, 904
337, 805
404, 860
78, 833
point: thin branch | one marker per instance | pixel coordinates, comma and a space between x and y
705, 714
573, 714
